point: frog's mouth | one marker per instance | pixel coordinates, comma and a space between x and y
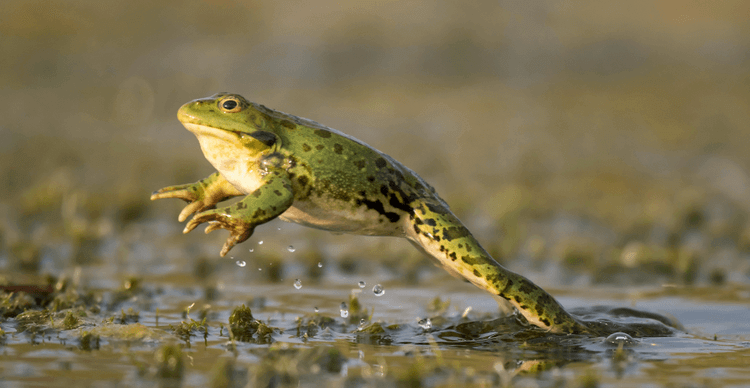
203, 130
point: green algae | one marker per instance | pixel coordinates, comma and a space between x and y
244, 328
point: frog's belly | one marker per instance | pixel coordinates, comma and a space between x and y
332, 218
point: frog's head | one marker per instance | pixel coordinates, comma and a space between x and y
230, 130
229, 118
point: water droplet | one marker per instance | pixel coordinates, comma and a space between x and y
241, 263
361, 324
316, 309
361, 284
251, 250
260, 242
298, 284
425, 323
378, 290
618, 339
320, 265
260, 269
279, 228
344, 310
361, 355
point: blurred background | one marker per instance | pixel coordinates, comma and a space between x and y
607, 138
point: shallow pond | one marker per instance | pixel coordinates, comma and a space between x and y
149, 330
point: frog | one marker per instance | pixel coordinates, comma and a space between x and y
300, 171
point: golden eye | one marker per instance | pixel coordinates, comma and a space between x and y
230, 105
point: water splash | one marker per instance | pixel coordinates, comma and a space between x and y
425, 324
620, 339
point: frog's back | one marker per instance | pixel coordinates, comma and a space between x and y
344, 184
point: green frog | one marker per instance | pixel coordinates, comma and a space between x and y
300, 171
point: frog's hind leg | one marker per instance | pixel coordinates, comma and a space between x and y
506, 308
441, 235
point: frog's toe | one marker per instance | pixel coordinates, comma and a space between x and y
228, 245
187, 193
160, 194
192, 225
212, 216
213, 225
235, 238
193, 207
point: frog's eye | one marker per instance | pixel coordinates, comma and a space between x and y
230, 105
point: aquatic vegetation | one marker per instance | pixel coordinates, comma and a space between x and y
88, 341
131, 332
244, 328
71, 320
14, 303
131, 316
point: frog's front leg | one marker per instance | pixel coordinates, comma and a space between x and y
201, 195
272, 198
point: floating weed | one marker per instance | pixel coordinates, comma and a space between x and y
34, 320
244, 328
129, 332
376, 334
187, 329
71, 321
357, 312
12, 304
309, 327
88, 341
131, 316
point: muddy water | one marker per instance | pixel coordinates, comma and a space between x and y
386, 340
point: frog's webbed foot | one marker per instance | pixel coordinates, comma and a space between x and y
241, 218
200, 196
239, 230
191, 193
